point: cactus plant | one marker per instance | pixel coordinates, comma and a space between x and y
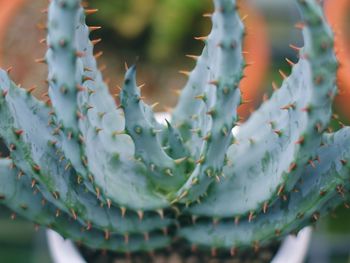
111, 177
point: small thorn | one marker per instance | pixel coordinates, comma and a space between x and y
183, 194
340, 190
56, 195
107, 235
58, 213
90, 11
74, 214
32, 89
98, 55
265, 97
316, 216
140, 214
294, 47
278, 232
200, 97
88, 226
116, 133
40, 60
291, 63
214, 82
180, 160
94, 28
300, 141
278, 132
233, 251
306, 109
184, 72
45, 94
102, 68
33, 183
96, 41
79, 54
193, 57
80, 115
19, 132
265, 207
9, 69
161, 213
246, 102
208, 15
292, 167
36, 168
142, 86
311, 162
207, 137
177, 92
323, 193
200, 160
280, 190
194, 181
251, 217
211, 112
299, 25
97, 192
13, 216
98, 130
288, 106
344, 162
36, 227
248, 64
244, 17
256, 247
284, 76
87, 78
41, 26
80, 87
154, 105
204, 38
123, 211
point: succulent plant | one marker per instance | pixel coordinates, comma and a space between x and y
111, 177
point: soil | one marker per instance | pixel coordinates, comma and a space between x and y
179, 254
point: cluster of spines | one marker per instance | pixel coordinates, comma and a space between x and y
250, 141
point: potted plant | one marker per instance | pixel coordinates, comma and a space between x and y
112, 178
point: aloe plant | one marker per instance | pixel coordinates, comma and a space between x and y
111, 177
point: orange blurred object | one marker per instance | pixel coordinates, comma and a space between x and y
337, 12
257, 55
8, 11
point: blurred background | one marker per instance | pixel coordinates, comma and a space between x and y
157, 34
